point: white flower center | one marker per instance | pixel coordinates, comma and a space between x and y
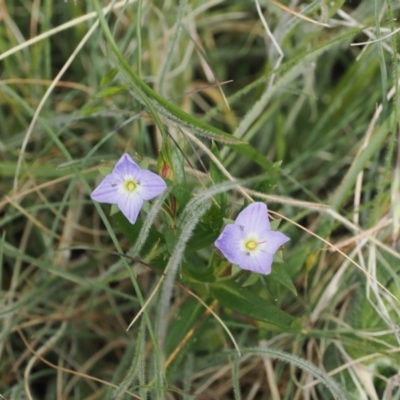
129, 185
251, 244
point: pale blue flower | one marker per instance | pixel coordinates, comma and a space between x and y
128, 186
249, 242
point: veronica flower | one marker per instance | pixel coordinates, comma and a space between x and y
249, 242
128, 186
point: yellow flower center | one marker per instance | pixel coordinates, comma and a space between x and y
251, 245
130, 186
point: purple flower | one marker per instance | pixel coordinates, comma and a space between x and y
127, 186
249, 242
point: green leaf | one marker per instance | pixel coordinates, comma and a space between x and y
171, 237
186, 318
203, 236
248, 303
298, 260
252, 153
182, 195
275, 224
111, 91
87, 111
251, 280
268, 184
218, 177
109, 76
333, 6
105, 170
279, 274
114, 209
132, 232
198, 273
179, 166
278, 257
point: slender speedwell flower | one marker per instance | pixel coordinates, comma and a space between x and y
249, 242
128, 186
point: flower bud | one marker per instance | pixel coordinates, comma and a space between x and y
164, 164
165, 170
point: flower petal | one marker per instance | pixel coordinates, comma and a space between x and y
273, 240
126, 166
107, 191
150, 184
259, 262
130, 205
254, 218
229, 243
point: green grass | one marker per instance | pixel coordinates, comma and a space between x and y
199, 87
